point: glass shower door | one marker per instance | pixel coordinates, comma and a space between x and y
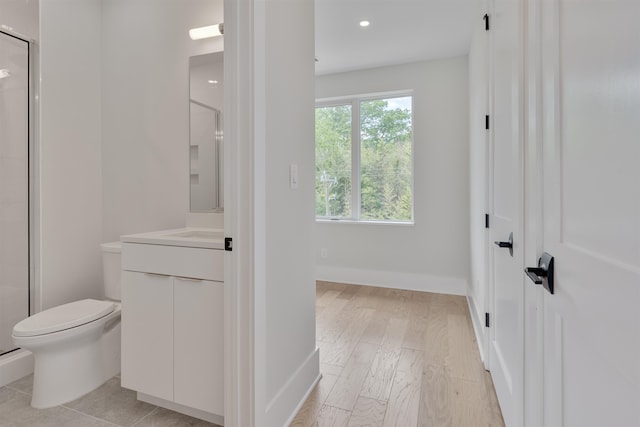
14, 186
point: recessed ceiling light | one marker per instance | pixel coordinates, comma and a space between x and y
364, 23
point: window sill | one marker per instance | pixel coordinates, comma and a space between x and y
364, 222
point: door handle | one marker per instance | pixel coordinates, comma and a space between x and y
508, 244
535, 274
543, 273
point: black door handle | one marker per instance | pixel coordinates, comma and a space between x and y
508, 244
535, 274
543, 273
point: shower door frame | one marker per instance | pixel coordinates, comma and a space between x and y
32, 175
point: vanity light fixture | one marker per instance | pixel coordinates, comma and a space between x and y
205, 32
213, 82
364, 23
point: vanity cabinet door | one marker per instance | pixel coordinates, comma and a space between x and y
199, 344
147, 333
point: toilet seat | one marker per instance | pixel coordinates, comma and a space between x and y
63, 317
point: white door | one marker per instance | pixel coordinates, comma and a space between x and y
591, 105
506, 203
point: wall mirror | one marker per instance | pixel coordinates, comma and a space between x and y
206, 96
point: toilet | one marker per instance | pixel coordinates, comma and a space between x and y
76, 346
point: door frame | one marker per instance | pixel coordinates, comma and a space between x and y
479, 170
239, 218
488, 259
521, 187
533, 215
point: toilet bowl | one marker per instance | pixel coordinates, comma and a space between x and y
76, 346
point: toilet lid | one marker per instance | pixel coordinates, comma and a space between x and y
63, 317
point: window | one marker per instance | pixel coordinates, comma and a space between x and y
364, 159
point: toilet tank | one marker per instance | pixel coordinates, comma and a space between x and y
111, 269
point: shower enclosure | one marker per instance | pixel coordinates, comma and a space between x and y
14, 185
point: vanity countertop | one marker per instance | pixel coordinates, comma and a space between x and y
193, 237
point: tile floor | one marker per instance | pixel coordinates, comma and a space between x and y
107, 406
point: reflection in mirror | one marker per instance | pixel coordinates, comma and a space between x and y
206, 137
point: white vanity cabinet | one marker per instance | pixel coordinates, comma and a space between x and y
172, 324
147, 334
198, 368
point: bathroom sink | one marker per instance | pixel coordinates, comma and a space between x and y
198, 234
211, 238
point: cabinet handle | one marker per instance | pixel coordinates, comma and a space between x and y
155, 275
189, 279
186, 279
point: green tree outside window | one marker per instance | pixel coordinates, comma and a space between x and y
385, 159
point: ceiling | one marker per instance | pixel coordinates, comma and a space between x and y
401, 31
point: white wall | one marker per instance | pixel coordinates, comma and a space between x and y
70, 151
433, 254
287, 361
478, 170
145, 111
20, 16
114, 128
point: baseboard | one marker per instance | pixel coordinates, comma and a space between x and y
286, 403
14, 366
393, 280
478, 328
304, 399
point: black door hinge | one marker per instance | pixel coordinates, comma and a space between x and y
486, 21
486, 220
228, 244
486, 122
487, 322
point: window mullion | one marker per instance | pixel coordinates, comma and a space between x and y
355, 159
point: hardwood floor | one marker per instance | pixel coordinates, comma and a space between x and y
397, 358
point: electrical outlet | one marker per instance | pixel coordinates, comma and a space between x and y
323, 252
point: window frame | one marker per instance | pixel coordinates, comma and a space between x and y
356, 141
